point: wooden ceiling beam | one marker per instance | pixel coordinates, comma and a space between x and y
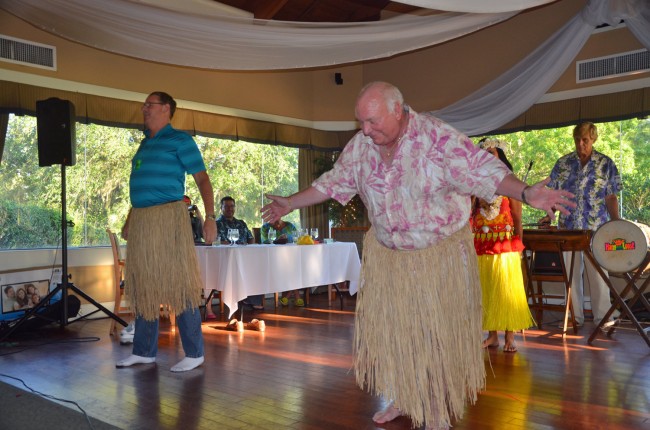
267, 9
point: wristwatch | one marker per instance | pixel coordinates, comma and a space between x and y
213, 217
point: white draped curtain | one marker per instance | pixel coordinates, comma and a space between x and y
206, 37
519, 88
476, 6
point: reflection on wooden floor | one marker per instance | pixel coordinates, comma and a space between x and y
297, 375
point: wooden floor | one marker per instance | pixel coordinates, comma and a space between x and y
297, 375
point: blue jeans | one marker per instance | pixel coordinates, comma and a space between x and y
145, 340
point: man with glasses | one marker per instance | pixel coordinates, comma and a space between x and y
594, 179
161, 267
228, 221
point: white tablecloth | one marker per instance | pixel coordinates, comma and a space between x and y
243, 270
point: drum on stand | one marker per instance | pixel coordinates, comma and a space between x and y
620, 246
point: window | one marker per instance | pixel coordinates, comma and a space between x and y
97, 186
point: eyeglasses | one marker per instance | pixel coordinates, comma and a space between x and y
149, 104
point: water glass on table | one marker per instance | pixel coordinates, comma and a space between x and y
233, 235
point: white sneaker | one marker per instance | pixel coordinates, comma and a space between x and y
127, 334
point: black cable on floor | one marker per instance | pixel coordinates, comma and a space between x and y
47, 396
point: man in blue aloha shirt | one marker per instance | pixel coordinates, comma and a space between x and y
595, 181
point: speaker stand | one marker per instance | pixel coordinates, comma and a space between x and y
64, 285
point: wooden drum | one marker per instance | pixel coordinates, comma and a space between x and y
620, 246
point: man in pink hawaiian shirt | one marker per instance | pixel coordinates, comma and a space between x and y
415, 174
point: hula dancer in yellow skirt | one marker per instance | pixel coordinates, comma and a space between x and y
497, 239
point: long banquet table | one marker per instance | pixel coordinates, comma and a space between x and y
243, 270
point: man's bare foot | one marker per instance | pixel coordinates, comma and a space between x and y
492, 341
386, 415
511, 345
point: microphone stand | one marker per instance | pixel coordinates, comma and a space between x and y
530, 166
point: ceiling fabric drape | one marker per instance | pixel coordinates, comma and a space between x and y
512, 93
213, 40
476, 6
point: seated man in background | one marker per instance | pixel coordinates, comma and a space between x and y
283, 230
284, 233
228, 221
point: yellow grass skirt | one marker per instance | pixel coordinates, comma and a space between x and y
161, 264
418, 328
505, 306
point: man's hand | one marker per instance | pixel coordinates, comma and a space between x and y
279, 207
209, 231
547, 199
125, 228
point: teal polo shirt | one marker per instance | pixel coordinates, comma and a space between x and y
160, 165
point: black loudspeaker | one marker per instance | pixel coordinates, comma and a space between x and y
338, 78
55, 124
547, 263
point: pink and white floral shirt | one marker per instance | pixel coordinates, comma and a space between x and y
423, 195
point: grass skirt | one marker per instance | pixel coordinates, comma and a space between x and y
505, 306
418, 328
161, 264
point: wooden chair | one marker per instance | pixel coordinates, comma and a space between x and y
118, 284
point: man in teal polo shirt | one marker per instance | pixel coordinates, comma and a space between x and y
161, 267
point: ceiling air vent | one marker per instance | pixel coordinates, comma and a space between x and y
627, 63
27, 53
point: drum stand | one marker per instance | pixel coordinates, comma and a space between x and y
620, 304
